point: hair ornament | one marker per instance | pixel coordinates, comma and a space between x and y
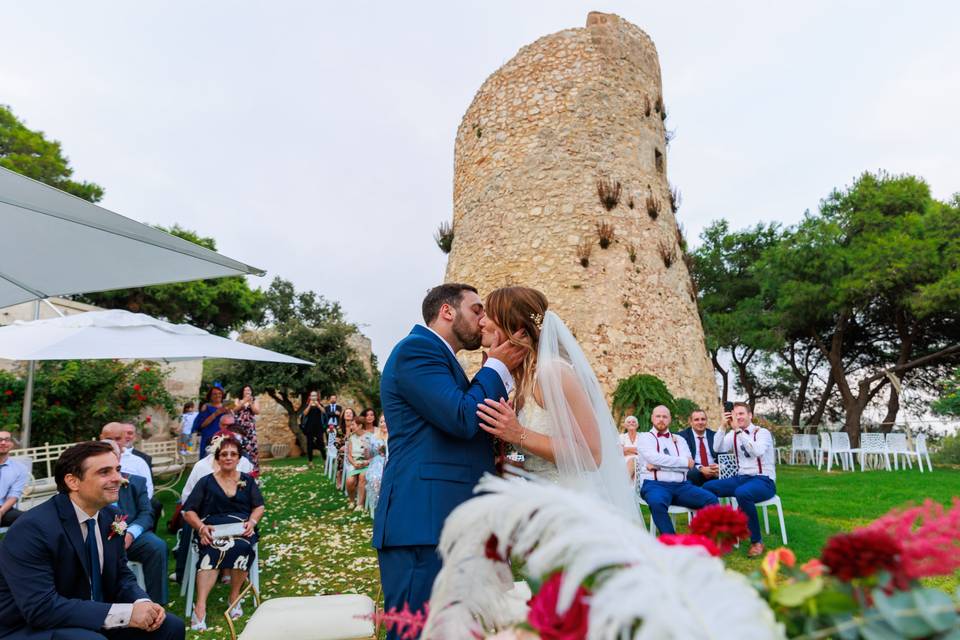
537, 319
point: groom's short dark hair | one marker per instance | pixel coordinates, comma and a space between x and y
450, 293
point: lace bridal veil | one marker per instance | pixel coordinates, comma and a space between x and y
585, 439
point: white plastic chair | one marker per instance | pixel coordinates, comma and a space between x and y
190, 575
813, 446
873, 444
921, 446
797, 444
825, 451
840, 442
772, 502
330, 466
672, 510
897, 445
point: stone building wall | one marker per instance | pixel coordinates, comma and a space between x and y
571, 109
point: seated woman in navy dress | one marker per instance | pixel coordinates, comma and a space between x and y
223, 497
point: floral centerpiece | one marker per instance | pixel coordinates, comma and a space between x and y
595, 573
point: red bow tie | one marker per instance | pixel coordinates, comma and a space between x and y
665, 434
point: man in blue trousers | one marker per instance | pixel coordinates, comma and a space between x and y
437, 451
757, 474
664, 460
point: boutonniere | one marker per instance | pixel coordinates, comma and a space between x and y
124, 482
241, 484
118, 527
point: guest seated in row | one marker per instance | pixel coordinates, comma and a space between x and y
628, 443
663, 460
756, 458
13, 479
140, 542
224, 497
204, 467
63, 570
700, 440
129, 462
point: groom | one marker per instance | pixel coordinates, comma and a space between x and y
437, 451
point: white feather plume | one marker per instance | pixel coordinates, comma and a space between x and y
650, 590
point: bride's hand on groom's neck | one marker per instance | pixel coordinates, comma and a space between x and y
508, 353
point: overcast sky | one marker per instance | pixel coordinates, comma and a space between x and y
315, 139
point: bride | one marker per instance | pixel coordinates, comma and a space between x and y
559, 420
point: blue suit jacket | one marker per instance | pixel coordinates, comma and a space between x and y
135, 503
437, 450
688, 435
44, 572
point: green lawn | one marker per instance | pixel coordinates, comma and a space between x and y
311, 544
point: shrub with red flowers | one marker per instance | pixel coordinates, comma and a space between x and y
722, 524
551, 625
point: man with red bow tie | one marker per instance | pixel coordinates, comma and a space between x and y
662, 464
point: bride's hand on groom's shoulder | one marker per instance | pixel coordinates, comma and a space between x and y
500, 420
509, 354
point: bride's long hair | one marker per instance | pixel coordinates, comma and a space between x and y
513, 309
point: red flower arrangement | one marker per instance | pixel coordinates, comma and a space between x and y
928, 536
691, 540
722, 524
543, 616
861, 554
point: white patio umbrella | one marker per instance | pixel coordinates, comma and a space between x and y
118, 334
55, 244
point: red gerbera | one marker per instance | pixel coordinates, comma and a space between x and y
721, 523
690, 540
860, 554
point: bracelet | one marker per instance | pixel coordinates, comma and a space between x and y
523, 436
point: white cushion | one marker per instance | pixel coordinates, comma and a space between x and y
312, 618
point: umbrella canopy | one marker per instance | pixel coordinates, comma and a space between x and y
100, 335
54, 243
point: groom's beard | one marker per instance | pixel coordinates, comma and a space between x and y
468, 340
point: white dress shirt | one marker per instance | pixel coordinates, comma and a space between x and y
500, 368
120, 612
204, 467
669, 454
135, 465
754, 450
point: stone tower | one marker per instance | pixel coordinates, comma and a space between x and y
561, 145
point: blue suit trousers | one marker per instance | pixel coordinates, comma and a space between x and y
660, 495
407, 575
748, 490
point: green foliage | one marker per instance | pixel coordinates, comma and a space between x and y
948, 452
640, 393
948, 404
218, 305
73, 399
29, 153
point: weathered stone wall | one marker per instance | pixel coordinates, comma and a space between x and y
568, 110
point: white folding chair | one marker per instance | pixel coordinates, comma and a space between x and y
190, 574
873, 444
897, 445
813, 447
330, 466
921, 445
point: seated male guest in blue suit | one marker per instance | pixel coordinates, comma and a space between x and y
141, 543
63, 570
437, 450
756, 480
700, 440
663, 460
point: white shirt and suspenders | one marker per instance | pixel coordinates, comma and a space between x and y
668, 452
753, 448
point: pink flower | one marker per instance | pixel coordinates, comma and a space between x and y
813, 568
543, 616
929, 537
690, 540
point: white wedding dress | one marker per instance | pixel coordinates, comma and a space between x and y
535, 418
575, 415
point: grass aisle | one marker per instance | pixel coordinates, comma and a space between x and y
312, 544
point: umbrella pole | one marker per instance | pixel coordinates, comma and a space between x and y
28, 392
